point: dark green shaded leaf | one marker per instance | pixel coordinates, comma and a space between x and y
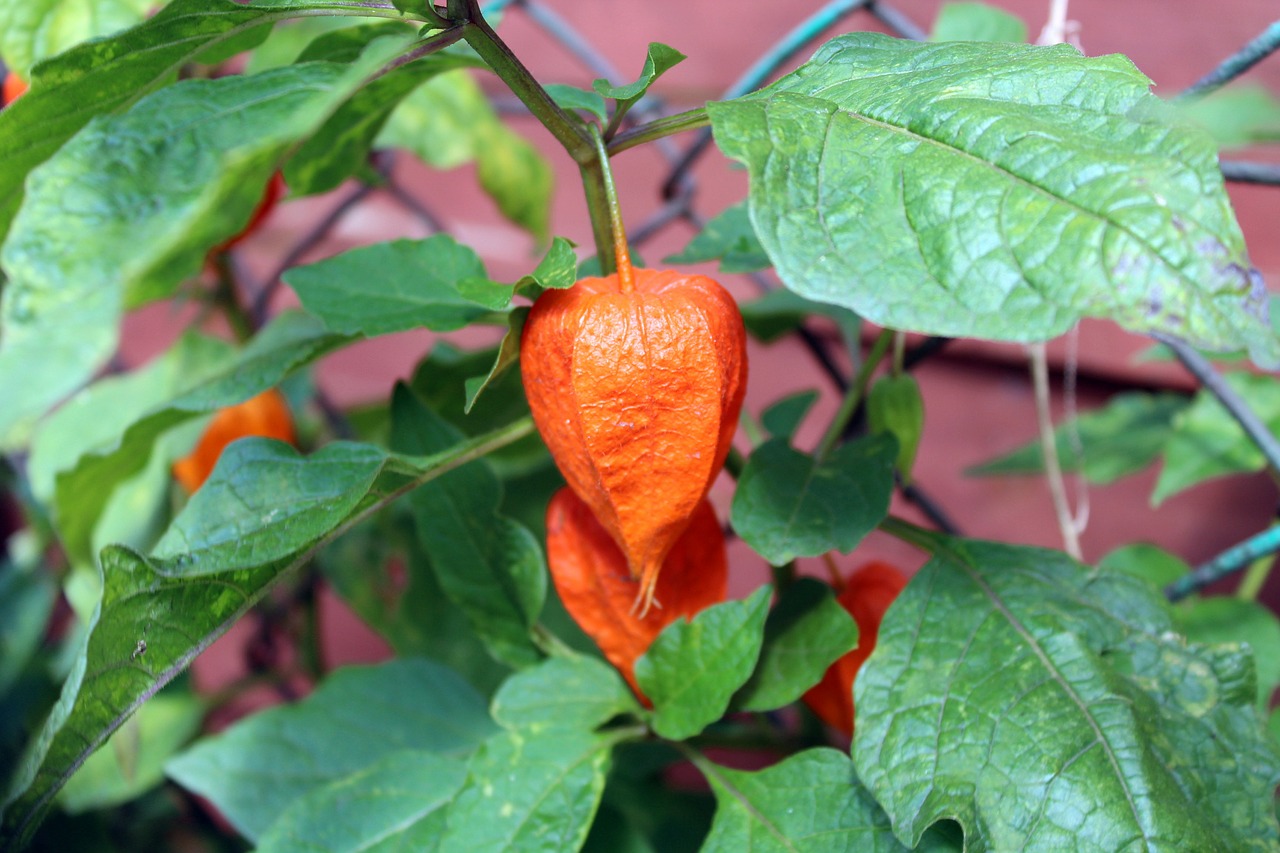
508, 356
396, 803
529, 792
1207, 442
130, 207
436, 283
977, 22
783, 418
727, 238
490, 566
1061, 709
27, 595
812, 801
694, 667
132, 760
805, 633
780, 312
997, 191
576, 693
789, 504
254, 770
1119, 439
894, 406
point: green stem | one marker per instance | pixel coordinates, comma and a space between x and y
593, 184
483, 40
548, 643
853, 396
784, 575
912, 534
659, 129
617, 233
226, 297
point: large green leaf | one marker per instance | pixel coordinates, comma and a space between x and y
158, 613
435, 283
490, 566
254, 770
812, 801
576, 692
396, 803
529, 792
993, 190
129, 208
110, 75
977, 22
789, 504
1119, 439
31, 30
805, 633
1208, 442
83, 490
1226, 619
694, 667
1046, 706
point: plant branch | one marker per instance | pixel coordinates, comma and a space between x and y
1227, 563
1236, 64
1212, 380
1049, 452
659, 129
853, 395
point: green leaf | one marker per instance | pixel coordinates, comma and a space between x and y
158, 613
254, 770
577, 693
96, 417
789, 504
977, 22
1015, 691
31, 30
783, 418
1235, 116
341, 147
1227, 620
1146, 562
780, 312
529, 792
727, 238
1207, 442
805, 633
129, 208
894, 406
27, 596
573, 98
557, 270
1119, 439
82, 491
436, 283
516, 177
995, 191
490, 566
109, 75
379, 570
658, 60
131, 762
812, 801
396, 803
508, 356
694, 667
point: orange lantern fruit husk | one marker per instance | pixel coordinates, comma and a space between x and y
265, 415
866, 596
592, 577
636, 391
14, 88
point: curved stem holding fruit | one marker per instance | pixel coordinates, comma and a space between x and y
659, 129
616, 231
